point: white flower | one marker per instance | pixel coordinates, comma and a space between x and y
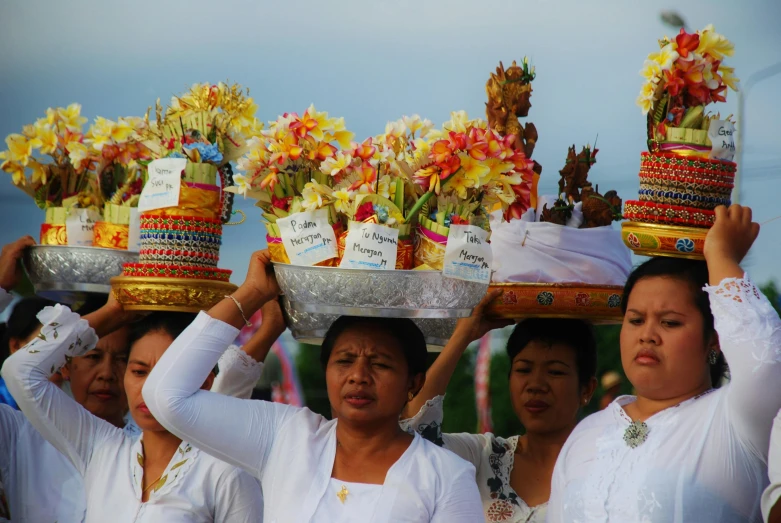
240, 181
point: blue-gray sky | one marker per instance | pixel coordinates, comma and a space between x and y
374, 61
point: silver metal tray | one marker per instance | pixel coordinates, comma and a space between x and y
391, 294
68, 274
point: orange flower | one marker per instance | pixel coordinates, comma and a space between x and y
304, 125
367, 175
440, 151
476, 144
687, 43
365, 150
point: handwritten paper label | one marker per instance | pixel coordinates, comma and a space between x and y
308, 237
162, 188
370, 246
468, 254
722, 135
80, 225
134, 231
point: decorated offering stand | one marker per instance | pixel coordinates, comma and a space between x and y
688, 169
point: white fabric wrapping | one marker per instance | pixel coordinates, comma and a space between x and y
535, 252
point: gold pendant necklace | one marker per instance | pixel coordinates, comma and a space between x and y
342, 494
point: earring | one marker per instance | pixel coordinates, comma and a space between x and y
410, 395
713, 357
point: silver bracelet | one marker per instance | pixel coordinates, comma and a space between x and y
241, 310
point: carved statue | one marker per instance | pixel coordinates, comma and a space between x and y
574, 187
509, 98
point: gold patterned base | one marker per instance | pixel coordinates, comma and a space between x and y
652, 239
168, 294
597, 303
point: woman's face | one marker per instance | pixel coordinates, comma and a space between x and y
544, 387
367, 376
663, 349
96, 378
144, 355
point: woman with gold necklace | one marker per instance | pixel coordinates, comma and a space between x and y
357, 467
682, 450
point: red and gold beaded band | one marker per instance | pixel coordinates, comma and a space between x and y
151, 270
649, 212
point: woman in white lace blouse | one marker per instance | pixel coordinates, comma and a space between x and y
359, 467
552, 375
149, 475
681, 450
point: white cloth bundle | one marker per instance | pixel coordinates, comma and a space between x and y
529, 251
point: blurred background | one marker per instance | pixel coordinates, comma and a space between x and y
372, 62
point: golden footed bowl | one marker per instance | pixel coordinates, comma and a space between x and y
653, 239
597, 303
137, 293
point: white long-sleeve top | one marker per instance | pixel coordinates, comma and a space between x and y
291, 450
493, 458
46, 482
773, 492
704, 459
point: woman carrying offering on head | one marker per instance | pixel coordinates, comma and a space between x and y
358, 467
553, 363
683, 450
147, 474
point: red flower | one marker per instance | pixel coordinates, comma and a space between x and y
458, 220
364, 211
449, 166
365, 150
476, 144
687, 43
674, 82
717, 96
280, 203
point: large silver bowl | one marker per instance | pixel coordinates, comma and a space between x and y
68, 274
311, 327
391, 294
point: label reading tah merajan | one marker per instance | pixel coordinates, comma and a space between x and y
467, 254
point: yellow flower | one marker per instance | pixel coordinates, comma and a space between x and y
644, 103
20, 148
714, 44
77, 152
460, 184
71, 117
340, 134
16, 170
121, 131
651, 70
383, 188
342, 199
240, 181
459, 121
666, 56
648, 90
474, 170
425, 127
336, 164
413, 123
728, 77
48, 139
311, 199
40, 172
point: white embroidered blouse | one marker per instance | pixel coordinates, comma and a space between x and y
704, 459
46, 482
292, 450
493, 458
